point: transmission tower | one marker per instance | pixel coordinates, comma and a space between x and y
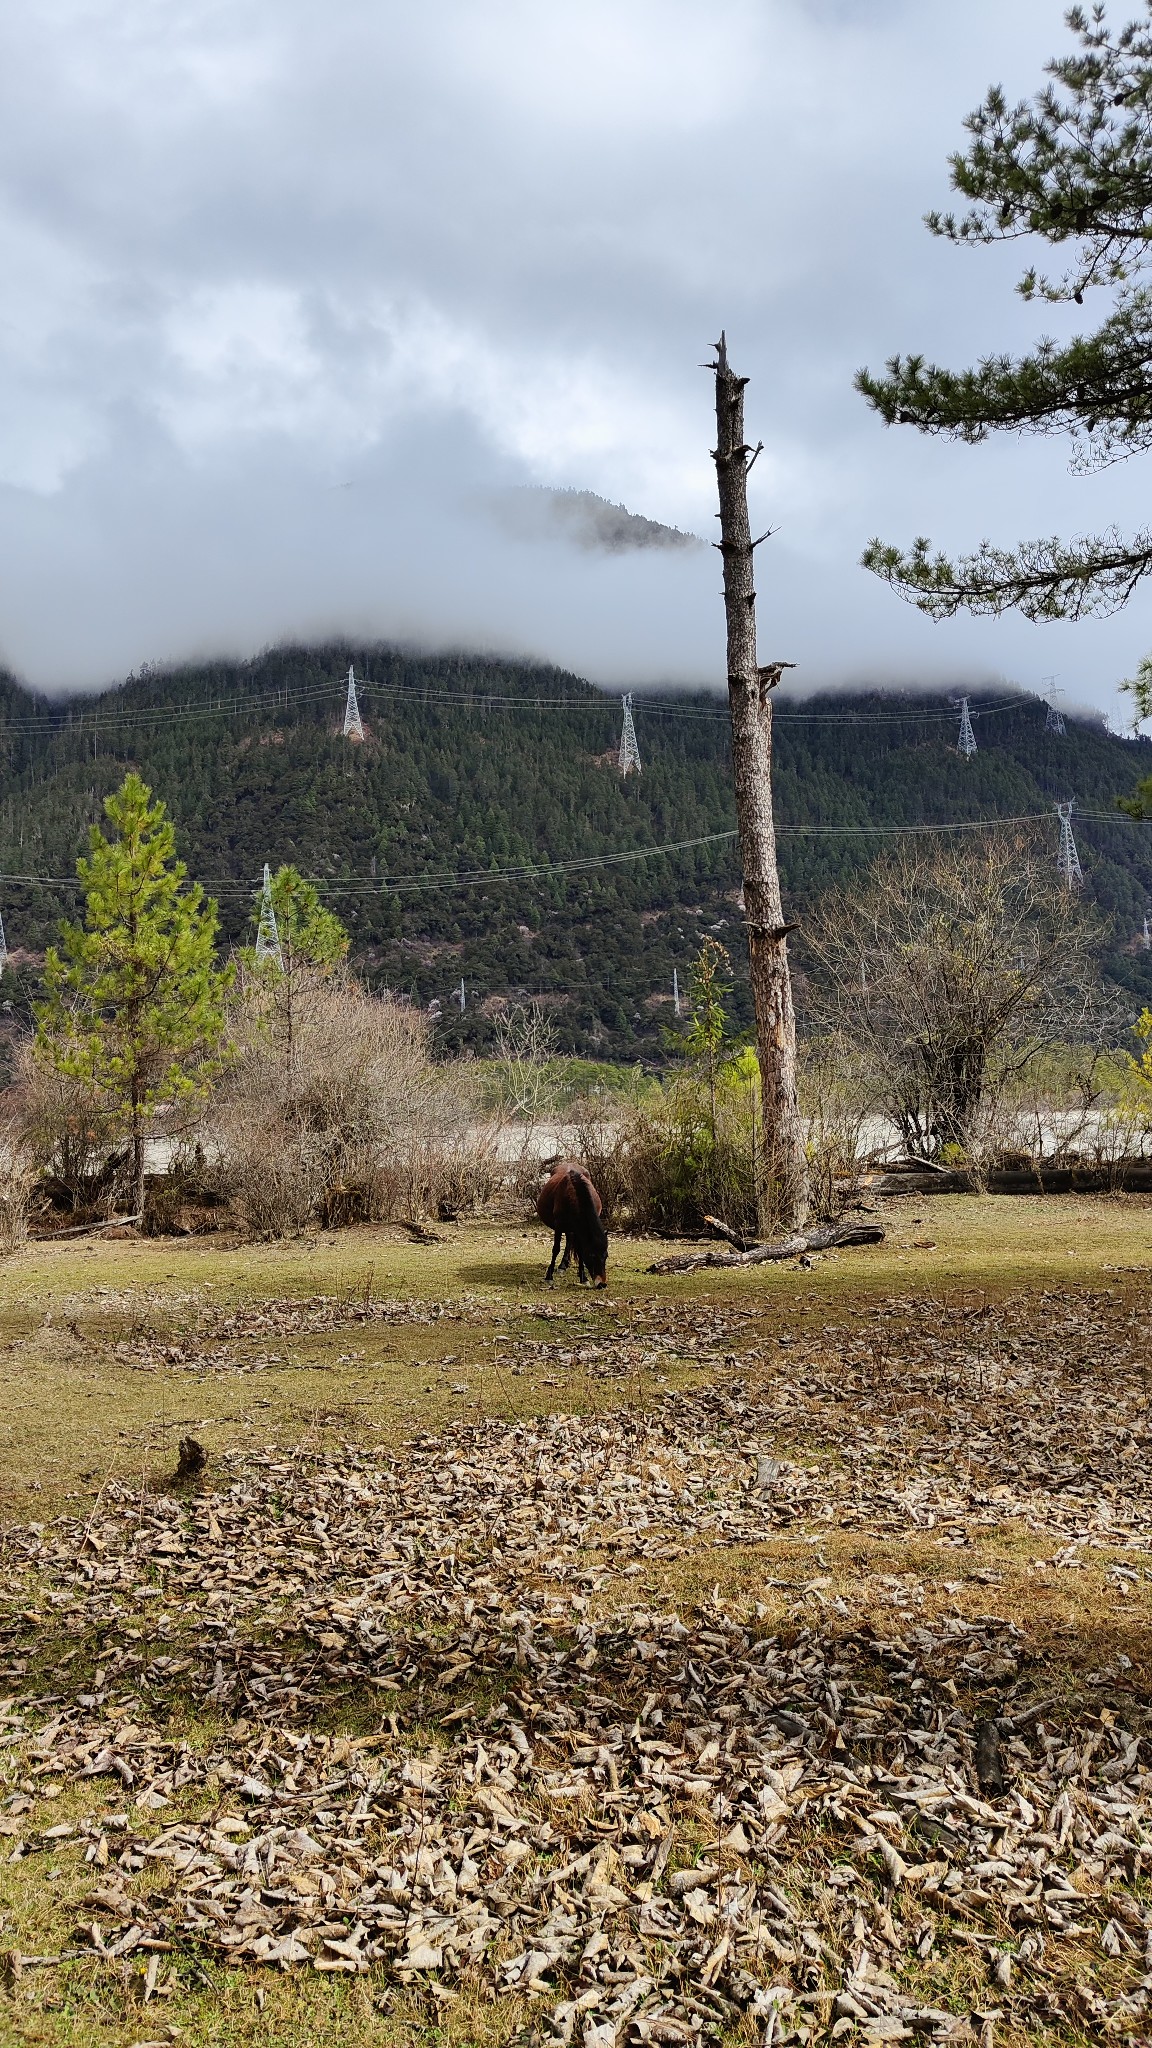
4, 945
1147, 934
353, 723
1053, 716
267, 936
629, 751
1067, 859
966, 744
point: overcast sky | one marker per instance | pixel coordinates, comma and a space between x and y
294, 295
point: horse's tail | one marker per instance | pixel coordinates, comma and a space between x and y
591, 1221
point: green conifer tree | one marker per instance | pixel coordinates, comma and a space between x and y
135, 1001
1073, 167
312, 943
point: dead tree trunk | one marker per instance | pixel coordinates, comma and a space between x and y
782, 1178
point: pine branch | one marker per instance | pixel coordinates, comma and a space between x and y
1139, 688
1073, 165
1098, 388
1044, 579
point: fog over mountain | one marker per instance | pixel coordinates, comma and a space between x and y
314, 318
584, 520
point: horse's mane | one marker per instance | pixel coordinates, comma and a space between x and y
590, 1218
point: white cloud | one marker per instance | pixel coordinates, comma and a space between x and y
288, 289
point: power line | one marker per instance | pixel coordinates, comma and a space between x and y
105, 720
1111, 817
77, 720
528, 870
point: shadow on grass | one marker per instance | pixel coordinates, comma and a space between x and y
517, 1273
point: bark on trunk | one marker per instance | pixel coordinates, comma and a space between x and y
782, 1179
137, 1155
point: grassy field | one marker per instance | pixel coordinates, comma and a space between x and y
988, 1363
90, 1395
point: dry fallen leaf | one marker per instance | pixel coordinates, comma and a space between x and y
549, 1840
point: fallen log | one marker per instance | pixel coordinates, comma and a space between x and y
785, 1248
83, 1229
1132, 1178
420, 1232
738, 1239
931, 1182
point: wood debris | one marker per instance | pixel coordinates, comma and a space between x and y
845, 1232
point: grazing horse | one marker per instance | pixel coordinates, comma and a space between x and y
569, 1205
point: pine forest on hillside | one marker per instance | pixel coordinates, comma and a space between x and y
473, 764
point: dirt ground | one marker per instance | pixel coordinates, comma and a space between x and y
757, 1656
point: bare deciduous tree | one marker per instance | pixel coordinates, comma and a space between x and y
952, 970
526, 1055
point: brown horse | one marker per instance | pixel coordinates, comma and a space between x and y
570, 1206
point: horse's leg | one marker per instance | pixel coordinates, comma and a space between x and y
566, 1261
555, 1255
581, 1275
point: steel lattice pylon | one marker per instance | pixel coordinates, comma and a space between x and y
966, 744
629, 751
4, 946
267, 936
1054, 718
1067, 859
353, 723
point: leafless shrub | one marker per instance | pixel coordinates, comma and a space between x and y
837, 1096
668, 1161
601, 1143
687, 1149
65, 1132
17, 1180
1066, 1106
351, 1123
953, 971
1118, 1137
526, 1062
186, 1200
527, 1090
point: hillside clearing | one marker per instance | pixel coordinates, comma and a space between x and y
509, 1610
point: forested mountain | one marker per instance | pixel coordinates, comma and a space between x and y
475, 765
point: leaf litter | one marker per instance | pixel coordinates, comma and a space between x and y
650, 1826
